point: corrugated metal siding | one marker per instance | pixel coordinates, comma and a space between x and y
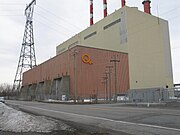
89, 77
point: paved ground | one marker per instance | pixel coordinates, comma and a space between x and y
57, 133
131, 120
16, 122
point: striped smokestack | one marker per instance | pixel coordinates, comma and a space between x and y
91, 12
123, 3
105, 7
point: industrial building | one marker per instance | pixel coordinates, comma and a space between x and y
127, 50
82, 74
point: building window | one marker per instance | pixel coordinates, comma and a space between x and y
60, 51
90, 35
73, 44
111, 24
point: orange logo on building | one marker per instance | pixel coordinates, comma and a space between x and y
86, 59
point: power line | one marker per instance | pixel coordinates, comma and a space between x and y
58, 17
12, 4
169, 11
12, 15
7, 10
59, 32
46, 18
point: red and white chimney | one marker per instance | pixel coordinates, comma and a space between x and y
123, 3
105, 7
147, 6
91, 12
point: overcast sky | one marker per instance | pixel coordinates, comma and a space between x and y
57, 20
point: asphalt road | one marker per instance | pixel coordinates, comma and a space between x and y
132, 120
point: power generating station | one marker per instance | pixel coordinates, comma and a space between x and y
126, 50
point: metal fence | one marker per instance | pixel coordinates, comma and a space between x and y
154, 95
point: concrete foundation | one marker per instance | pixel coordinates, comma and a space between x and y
49, 89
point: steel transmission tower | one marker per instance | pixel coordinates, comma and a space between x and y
27, 59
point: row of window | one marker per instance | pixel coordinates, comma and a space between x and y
105, 27
95, 32
90, 35
111, 24
73, 44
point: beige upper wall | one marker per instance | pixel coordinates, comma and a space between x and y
108, 38
149, 51
144, 37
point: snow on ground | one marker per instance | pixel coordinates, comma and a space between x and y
17, 121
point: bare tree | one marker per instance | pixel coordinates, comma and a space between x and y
5, 89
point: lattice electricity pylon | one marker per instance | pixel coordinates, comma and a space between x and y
27, 59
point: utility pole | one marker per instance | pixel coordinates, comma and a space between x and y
75, 52
115, 60
27, 59
97, 94
103, 82
105, 78
109, 73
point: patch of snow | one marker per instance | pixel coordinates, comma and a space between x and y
18, 121
68, 101
173, 98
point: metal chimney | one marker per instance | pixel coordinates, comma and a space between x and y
147, 7
123, 3
91, 12
105, 7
